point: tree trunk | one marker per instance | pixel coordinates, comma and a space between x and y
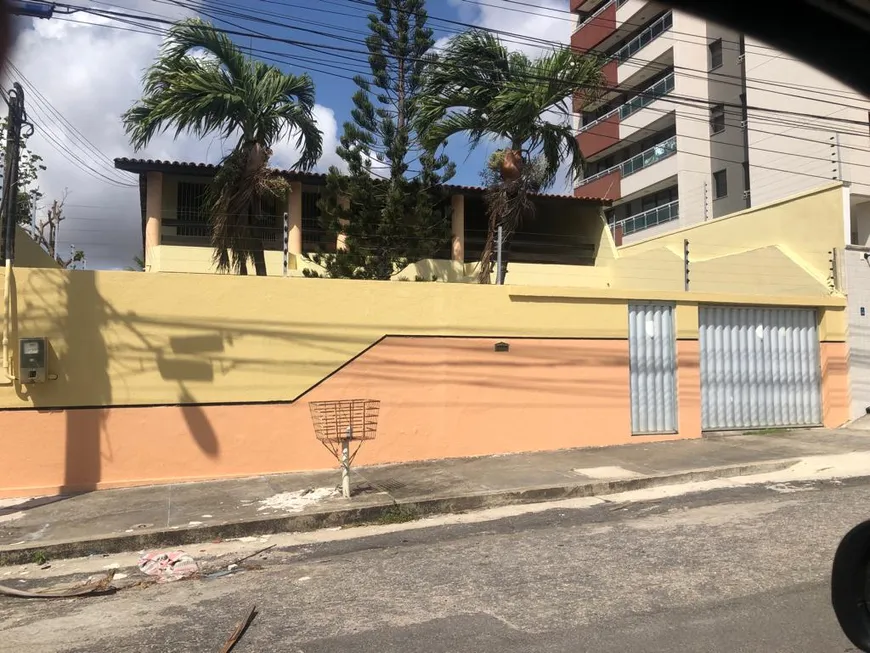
512, 165
259, 257
489, 250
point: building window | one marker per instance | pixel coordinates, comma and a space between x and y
715, 54
717, 118
191, 217
315, 238
720, 184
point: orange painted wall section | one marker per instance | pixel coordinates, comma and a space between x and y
441, 398
689, 388
836, 397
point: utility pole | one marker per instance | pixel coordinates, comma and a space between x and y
9, 206
9, 202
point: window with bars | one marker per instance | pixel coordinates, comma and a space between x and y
192, 220
717, 118
720, 184
190, 210
715, 54
271, 223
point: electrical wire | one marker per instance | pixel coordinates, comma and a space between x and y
334, 48
99, 156
724, 160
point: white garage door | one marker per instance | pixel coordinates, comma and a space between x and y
760, 367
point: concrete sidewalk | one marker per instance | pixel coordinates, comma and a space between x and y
131, 519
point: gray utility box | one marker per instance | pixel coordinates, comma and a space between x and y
32, 357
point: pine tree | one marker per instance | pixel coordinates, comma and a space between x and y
390, 205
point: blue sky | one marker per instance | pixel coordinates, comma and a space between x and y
76, 105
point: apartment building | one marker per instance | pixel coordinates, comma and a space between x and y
698, 121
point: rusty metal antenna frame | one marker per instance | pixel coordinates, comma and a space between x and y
341, 422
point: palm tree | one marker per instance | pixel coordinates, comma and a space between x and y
479, 88
202, 83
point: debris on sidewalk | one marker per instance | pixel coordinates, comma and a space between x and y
297, 501
241, 627
91, 587
168, 566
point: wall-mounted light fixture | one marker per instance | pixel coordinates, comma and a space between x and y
501, 346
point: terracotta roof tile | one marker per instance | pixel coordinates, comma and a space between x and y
142, 165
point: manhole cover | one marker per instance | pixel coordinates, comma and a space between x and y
390, 485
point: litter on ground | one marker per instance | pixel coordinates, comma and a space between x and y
297, 501
168, 566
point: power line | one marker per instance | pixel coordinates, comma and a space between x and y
330, 49
55, 141
556, 44
669, 98
41, 101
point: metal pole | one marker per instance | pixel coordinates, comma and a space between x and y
286, 243
685, 265
10, 185
839, 158
498, 271
345, 468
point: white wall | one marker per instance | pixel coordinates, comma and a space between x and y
790, 153
857, 285
693, 127
726, 148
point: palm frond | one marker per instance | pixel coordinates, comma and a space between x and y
196, 34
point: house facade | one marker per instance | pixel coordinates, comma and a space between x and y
565, 230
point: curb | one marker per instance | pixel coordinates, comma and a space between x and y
422, 507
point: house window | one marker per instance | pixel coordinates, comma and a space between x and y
720, 184
271, 223
715, 54
314, 237
192, 219
717, 118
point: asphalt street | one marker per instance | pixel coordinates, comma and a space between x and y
738, 570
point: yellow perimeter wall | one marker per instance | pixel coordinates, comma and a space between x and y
161, 378
168, 377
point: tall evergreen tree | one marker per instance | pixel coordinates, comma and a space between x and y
390, 205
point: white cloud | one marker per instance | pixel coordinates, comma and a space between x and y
285, 153
535, 30
91, 74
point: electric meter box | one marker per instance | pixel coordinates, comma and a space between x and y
32, 356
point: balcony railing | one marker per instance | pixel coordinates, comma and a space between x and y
648, 157
634, 46
647, 97
638, 162
590, 125
596, 13
650, 218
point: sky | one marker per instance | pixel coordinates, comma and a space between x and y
80, 73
